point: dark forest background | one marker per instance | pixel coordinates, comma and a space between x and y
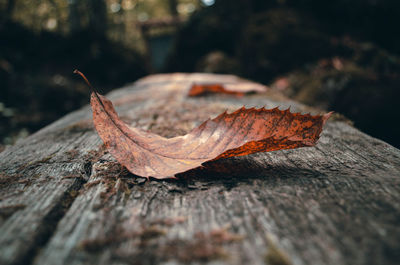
336, 55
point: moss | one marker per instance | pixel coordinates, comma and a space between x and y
145, 235
7, 211
204, 247
73, 193
116, 179
220, 236
73, 176
5, 179
151, 232
169, 221
80, 126
95, 245
187, 251
33, 164
275, 256
91, 184
340, 117
8, 179
94, 155
44, 160
72, 154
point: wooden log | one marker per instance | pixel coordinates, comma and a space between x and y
65, 200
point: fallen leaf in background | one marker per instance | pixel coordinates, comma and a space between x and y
337, 63
281, 84
242, 132
238, 89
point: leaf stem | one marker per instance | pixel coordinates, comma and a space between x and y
76, 71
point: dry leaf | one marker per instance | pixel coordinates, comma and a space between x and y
238, 89
242, 132
281, 84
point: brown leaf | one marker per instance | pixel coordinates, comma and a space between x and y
238, 89
281, 84
243, 132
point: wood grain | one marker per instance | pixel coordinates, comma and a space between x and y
64, 199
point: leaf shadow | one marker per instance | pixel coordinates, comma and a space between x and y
233, 172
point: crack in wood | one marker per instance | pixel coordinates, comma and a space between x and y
49, 225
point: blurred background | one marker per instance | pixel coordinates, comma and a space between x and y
336, 55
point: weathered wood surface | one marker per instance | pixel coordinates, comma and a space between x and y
64, 200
